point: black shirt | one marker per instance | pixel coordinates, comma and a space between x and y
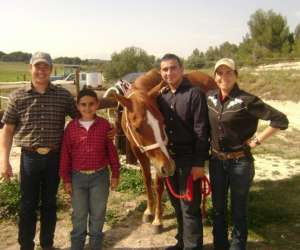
186, 120
235, 120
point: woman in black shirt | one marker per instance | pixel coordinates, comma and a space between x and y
233, 116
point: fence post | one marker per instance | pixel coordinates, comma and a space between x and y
77, 81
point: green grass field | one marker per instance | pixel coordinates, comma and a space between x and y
13, 71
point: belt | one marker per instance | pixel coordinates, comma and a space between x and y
41, 150
92, 171
229, 155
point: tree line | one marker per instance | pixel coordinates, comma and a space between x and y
269, 40
19, 56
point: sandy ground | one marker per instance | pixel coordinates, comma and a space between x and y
279, 66
132, 234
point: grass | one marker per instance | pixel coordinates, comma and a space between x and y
14, 71
284, 144
269, 85
131, 181
274, 85
273, 213
9, 199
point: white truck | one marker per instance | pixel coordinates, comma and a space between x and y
92, 79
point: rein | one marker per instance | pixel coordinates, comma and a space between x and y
142, 148
205, 189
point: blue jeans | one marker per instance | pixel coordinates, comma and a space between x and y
39, 181
188, 213
236, 175
89, 199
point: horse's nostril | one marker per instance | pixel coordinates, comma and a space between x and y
163, 171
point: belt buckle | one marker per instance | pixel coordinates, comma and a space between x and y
223, 156
43, 150
87, 171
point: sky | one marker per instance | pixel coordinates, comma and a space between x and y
98, 28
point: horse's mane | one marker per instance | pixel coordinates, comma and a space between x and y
148, 80
141, 97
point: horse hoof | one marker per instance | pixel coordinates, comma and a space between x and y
147, 218
157, 229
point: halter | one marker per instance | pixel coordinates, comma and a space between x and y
142, 148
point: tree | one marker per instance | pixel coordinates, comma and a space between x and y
2, 54
67, 60
17, 56
245, 50
228, 50
296, 47
196, 60
212, 54
268, 29
297, 32
131, 59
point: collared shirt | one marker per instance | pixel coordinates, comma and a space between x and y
39, 118
90, 149
186, 119
234, 120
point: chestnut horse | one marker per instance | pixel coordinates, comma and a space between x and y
143, 126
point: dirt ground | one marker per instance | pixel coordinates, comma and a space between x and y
130, 233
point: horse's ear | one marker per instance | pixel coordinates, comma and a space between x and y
155, 91
124, 101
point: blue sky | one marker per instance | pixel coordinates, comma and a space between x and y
97, 28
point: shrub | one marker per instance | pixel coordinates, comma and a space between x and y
9, 199
131, 181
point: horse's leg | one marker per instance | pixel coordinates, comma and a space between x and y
145, 165
159, 188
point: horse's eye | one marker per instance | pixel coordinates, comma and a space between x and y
138, 130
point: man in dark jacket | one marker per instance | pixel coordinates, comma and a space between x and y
185, 111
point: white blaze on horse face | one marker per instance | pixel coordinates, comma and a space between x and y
154, 124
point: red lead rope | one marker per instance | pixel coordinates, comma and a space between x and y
205, 190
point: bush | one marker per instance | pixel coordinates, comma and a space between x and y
9, 199
131, 181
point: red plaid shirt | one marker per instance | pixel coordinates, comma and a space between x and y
87, 149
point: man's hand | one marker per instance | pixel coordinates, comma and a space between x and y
114, 183
6, 171
197, 172
112, 133
68, 188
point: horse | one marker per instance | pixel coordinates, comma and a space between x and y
143, 126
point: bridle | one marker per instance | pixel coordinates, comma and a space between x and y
142, 148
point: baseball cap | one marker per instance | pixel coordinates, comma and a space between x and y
41, 57
225, 61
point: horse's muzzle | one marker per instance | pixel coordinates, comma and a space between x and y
169, 170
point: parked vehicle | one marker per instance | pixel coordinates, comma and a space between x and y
92, 79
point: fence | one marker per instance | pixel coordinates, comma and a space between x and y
3, 102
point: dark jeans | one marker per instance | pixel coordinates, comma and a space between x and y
39, 183
236, 175
188, 214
